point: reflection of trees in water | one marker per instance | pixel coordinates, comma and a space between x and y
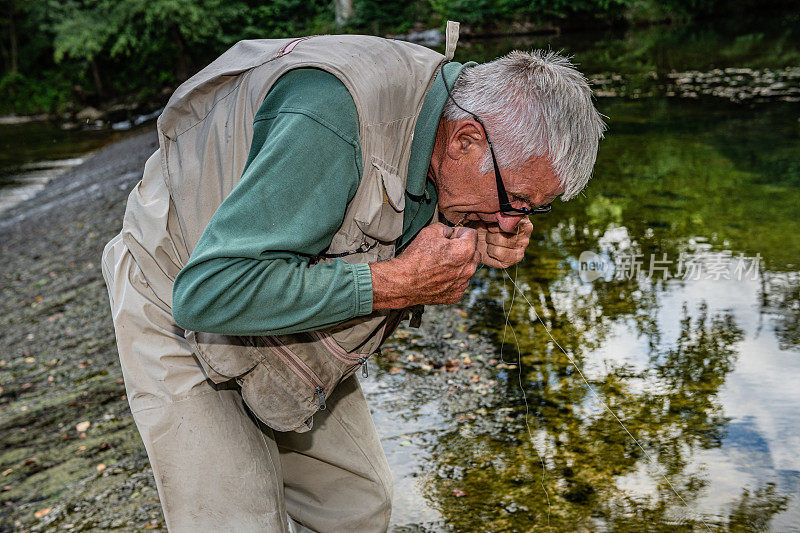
683, 180
692, 373
595, 476
688, 171
780, 297
753, 510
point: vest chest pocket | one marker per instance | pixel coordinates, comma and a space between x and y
380, 211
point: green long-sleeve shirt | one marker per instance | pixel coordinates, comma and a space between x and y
248, 274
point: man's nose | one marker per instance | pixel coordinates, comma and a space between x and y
508, 223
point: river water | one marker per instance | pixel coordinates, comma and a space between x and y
689, 332
33, 153
685, 322
673, 284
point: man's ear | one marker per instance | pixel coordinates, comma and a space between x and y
466, 138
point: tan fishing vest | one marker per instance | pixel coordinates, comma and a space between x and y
205, 132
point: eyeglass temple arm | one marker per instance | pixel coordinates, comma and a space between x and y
505, 204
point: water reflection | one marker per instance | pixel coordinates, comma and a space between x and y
665, 385
780, 296
702, 369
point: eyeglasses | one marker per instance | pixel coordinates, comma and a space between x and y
502, 196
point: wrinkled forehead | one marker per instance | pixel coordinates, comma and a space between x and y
538, 182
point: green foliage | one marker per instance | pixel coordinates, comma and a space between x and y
93, 51
482, 13
152, 29
82, 36
284, 18
383, 17
133, 48
24, 95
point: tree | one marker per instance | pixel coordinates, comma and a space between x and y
344, 10
24, 30
83, 34
168, 33
12, 37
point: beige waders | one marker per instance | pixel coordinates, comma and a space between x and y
216, 469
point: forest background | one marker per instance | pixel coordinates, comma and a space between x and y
59, 56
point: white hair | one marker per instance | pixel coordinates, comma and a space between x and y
533, 104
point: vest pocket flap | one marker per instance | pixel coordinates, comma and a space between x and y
380, 213
228, 356
393, 186
359, 334
275, 400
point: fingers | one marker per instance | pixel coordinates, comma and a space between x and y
439, 263
454, 246
505, 257
525, 227
504, 249
465, 248
439, 228
506, 240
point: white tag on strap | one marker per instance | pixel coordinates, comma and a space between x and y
451, 38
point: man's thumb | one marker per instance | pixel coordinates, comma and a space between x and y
441, 229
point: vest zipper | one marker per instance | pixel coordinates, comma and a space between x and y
320, 392
338, 352
342, 355
300, 369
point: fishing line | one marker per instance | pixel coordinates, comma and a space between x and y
596, 395
507, 315
521, 387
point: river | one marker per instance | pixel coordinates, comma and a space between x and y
673, 285
689, 331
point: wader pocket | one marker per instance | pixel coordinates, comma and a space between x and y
285, 379
293, 377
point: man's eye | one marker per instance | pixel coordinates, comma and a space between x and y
519, 200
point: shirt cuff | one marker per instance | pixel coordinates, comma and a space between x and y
363, 278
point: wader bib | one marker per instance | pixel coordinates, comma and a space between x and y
205, 134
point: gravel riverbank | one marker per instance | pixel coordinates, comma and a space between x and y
71, 454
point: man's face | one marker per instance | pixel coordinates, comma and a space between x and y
464, 190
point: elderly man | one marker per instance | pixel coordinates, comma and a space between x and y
302, 201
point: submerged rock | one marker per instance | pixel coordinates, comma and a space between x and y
89, 114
